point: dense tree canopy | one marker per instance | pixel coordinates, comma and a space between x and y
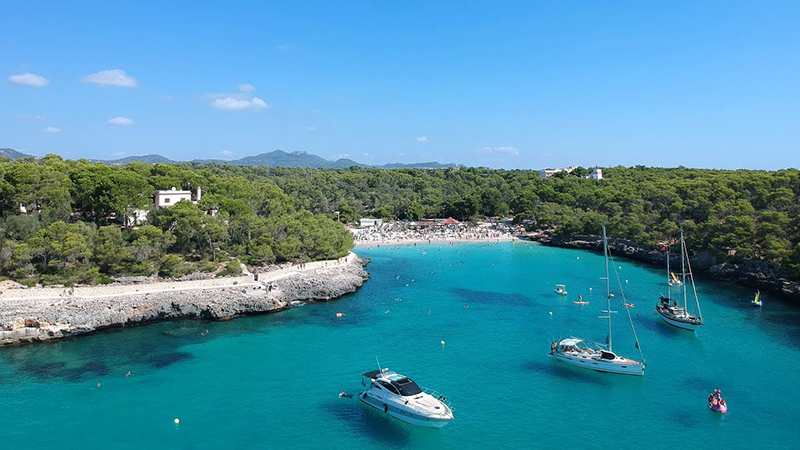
61, 222
266, 214
741, 214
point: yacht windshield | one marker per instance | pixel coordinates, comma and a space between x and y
389, 386
406, 387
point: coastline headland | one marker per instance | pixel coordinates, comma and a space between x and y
750, 273
42, 314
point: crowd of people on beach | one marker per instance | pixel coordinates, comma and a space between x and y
399, 232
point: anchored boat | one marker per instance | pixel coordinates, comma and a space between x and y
401, 398
595, 356
675, 313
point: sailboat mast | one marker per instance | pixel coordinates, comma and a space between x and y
694, 288
683, 269
669, 275
608, 288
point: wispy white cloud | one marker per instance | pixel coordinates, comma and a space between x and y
113, 77
311, 129
166, 98
226, 153
340, 156
238, 101
29, 79
28, 117
422, 139
51, 130
121, 121
506, 149
238, 104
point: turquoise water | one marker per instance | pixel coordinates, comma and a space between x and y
272, 381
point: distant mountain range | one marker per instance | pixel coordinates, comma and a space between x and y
280, 158
277, 158
13, 154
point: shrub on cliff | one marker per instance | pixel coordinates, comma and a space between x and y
171, 266
232, 269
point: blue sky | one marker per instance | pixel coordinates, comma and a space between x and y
498, 84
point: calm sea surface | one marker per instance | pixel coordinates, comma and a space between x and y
272, 381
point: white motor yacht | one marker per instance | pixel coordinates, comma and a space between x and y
399, 397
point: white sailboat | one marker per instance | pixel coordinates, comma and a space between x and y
595, 356
675, 313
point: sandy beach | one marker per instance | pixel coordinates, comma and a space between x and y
400, 233
434, 240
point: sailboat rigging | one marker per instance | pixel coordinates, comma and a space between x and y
671, 311
595, 356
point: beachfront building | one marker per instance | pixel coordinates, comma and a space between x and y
547, 173
367, 223
449, 221
165, 199
433, 223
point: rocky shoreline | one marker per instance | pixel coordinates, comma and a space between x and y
41, 317
755, 274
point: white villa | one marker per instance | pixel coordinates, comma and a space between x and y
547, 173
161, 200
165, 199
597, 174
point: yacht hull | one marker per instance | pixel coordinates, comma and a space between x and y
691, 326
400, 412
629, 367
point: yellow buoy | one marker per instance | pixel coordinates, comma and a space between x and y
177, 421
551, 313
442, 342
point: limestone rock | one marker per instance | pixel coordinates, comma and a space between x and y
31, 320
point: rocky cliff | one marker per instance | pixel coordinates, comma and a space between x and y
25, 320
756, 274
